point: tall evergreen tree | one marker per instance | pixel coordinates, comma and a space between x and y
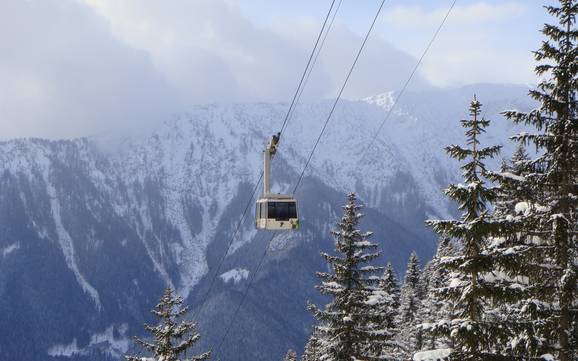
409, 305
389, 284
513, 187
552, 221
290, 356
410, 296
346, 329
313, 349
383, 305
473, 337
170, 339
435, 309
510, 257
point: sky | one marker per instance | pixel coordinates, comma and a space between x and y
72, 68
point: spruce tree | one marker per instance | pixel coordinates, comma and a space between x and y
410, 296
170, 338
383, 306
511, 259
513, 187
290, 356
472, 335
514, 192
434, 309
389, 284
409, 305
551, 222
313, 349
346, 326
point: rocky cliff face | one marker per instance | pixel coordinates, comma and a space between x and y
91, 230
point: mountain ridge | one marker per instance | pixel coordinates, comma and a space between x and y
107, 222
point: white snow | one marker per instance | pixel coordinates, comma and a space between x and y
521, 207
201, 158
67, 246
376, 297
512, 176
114, 346
105, 340
236, 275
542, 209
384, 100
9, 249
548, 357
432, 355
64, 350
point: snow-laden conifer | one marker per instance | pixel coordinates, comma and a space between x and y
170, 338
512, 257
434, 309
552, 220
290, 356
409, 305
472, 335
347, 329
513, 185
313, 349
383, 306
390, 284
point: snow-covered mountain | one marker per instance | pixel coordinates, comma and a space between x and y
91, 230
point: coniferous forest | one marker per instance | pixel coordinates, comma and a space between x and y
502, 284
91, 232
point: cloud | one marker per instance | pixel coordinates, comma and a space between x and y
206, 50
380, 68
477, 44
64, 74
79, 67
475, 13
212, 53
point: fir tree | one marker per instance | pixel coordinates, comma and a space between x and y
472, 335
409, 305
171, 339
510, 257
434, 309
290, 356
389, 284
551, 222
513, 187
346, 329
410, 296
313, 350
384, 304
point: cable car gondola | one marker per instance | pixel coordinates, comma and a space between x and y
275, 212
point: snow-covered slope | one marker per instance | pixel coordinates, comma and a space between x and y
115, 219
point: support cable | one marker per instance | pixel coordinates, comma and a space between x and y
253, 276
308, 68
409, 79
339, 95
244, 296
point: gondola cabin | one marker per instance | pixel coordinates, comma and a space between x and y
276, 212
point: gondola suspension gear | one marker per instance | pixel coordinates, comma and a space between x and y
276, 212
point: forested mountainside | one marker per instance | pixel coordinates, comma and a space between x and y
93, 229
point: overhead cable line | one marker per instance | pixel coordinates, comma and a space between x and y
436, 33
244, 296
261, 260
309, 62
339, 95
317, 54
409, 79
308, 68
